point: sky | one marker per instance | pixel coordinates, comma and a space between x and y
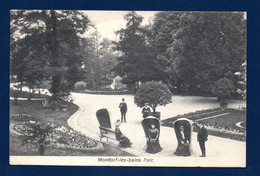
107, 22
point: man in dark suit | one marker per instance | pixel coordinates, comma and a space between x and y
202, 137
146, 110
123, 109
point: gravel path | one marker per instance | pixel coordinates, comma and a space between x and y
220, 151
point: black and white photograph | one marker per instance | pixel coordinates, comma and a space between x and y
128, 88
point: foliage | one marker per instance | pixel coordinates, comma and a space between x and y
117, 83
98, 60
195, 49
80, 85
135, 54
45, 46
44, 133
242, 81
223, 88
108, 58
154, 93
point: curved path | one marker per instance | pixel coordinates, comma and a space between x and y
231, 153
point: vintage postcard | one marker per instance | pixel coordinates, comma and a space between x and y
128, 88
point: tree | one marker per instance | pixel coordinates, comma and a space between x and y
154, 93
195, 49
49, 39
242, 81
135, 60
90, 50
223, 89
108, 58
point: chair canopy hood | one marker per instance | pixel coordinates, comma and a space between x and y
187, 125
148, 121
103, 118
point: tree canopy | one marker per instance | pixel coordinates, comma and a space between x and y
154, 93
135, 62
45, 45
195, 49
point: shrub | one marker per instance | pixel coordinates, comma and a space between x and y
80, 85
154, 93
223, 88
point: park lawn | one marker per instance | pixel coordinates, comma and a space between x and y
60, 117
36, 109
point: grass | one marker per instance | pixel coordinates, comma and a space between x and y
36, 109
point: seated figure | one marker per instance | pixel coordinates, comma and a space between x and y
124, 142
153, 145
183, 148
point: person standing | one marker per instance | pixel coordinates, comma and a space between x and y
146, 110
202, 137
123, 109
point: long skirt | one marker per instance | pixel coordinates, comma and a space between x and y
124, 142
182, 150
153, 147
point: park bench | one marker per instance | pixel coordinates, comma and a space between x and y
107, 133
105, 125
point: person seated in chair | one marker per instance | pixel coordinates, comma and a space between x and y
124, 142
183, 148
153, 145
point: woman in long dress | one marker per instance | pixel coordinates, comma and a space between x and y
153, 145
124, 142
183, 148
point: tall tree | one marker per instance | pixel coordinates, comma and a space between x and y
135, 60
49, 40
108, 58
91, 51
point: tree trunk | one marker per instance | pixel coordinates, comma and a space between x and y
56, 78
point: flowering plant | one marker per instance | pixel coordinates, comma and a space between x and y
46, 133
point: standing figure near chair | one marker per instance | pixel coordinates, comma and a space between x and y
153, 145
146, 110
123, 110
124, 142
202, 137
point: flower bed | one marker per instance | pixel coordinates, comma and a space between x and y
37, 133
227, 133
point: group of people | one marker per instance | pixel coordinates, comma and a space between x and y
123, 109
153, 146
183, 148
